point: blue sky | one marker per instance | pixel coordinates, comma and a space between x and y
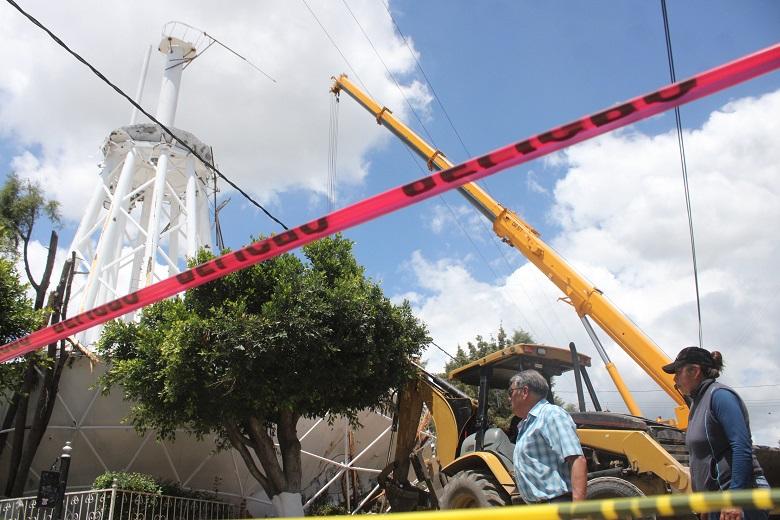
503, 71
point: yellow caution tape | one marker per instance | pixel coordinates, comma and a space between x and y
611, 508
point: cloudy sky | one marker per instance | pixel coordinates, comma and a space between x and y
469, 78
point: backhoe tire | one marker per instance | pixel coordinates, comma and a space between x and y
613, 487
470, 489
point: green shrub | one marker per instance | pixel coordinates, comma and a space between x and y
328, 510
138, 482
322, 506
174, 489
142, 483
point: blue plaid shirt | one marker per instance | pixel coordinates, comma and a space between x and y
544, 440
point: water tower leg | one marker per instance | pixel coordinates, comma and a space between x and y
153, 240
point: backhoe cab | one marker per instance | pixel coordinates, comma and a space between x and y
471, 463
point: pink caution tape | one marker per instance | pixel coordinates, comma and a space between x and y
639, 108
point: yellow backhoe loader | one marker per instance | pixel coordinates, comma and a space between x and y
470, 464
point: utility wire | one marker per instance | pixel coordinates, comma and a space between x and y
100, 75
457, 221
468, 154
660, 390
333, 42
419, 66
510, 296
368, 39
681, 146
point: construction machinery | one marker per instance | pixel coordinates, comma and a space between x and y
472, 466
632, 455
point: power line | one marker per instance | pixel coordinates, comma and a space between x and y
419, 66
365, 34
684, 165
100, 75
333, 142
660, 390
333, 42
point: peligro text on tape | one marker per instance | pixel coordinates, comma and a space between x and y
545, 143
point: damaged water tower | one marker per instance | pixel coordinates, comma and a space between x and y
149, 210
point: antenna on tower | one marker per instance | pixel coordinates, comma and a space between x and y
186, 30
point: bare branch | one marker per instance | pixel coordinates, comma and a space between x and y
43, 286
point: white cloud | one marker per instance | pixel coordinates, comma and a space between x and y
443, 217
533, 184
267, 137
68, 179
623, 224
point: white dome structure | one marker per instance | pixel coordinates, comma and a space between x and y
101, 442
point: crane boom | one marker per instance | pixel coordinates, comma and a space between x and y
587, 300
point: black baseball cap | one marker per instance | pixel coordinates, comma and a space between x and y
690, 356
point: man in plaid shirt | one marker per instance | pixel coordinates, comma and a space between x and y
549, 465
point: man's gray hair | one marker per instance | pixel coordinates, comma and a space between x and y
535, 382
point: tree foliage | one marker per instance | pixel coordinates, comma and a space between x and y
247, 355
499, 411
22, 204
17, 318
481, 347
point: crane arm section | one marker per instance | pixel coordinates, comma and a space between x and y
586, 299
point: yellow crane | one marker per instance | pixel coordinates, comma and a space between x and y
587, 300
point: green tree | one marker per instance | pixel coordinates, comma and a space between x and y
22, 206
499, 411
249, 354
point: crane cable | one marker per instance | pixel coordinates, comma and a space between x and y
333, 149
684, 166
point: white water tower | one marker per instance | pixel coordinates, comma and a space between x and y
150, 205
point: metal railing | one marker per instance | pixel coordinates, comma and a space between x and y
116, 504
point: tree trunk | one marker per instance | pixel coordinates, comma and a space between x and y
8, 421
288, 504
240, 443
290, 446
47, 397
282, 483
263, 445
20, 423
